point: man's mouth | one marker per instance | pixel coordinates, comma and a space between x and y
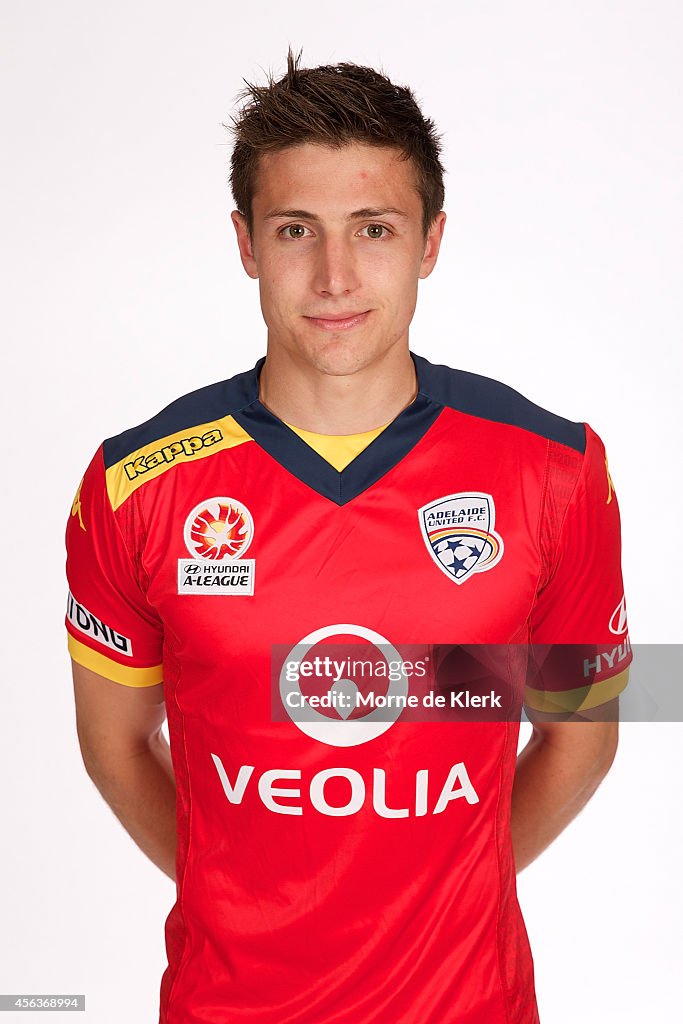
341, 322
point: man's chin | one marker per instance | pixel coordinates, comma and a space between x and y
339, 356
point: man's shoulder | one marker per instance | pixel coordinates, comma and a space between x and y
195, 415
497, 402
203, 412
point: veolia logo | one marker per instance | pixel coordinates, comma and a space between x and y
308, 789
342, 732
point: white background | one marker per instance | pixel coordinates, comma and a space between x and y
560, 274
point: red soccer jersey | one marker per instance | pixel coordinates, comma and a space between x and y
336, 866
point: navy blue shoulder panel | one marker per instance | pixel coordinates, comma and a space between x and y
492, 400
439, 385
201, 406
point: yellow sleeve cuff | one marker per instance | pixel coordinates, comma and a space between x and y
126, 674
582, 698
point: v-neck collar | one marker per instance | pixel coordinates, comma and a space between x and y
294, 454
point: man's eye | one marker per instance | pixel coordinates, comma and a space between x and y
375, 226
291, 227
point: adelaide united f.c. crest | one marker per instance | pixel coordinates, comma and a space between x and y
458, 530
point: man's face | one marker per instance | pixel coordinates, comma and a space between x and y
316, 256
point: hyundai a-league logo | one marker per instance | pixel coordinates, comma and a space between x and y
458, 530
217, 533
218, 528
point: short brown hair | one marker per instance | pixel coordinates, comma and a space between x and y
333, 105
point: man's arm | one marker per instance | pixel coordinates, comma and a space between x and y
127, 757
557, 773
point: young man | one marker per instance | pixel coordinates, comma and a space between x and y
338, 864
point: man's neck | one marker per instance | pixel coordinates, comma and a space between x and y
349, 403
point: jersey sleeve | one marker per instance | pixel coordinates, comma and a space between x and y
580, 650
111, 626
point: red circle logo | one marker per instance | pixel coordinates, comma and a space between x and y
219, 528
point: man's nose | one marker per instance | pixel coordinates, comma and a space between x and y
336, 266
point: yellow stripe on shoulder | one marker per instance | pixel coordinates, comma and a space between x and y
153, 459
583, 697
126, 674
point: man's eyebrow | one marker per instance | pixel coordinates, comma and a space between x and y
367, 211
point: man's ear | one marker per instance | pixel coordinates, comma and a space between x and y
245, 244
433, 244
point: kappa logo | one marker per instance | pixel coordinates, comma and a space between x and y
76, 507
185, 446
610, 485
459, 533
617, 622
217, 533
